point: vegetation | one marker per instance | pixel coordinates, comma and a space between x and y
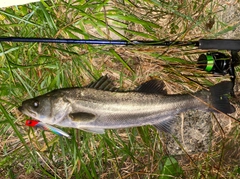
31, 69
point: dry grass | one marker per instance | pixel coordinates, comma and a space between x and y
28, 70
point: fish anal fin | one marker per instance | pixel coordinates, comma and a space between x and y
153, 87
164, 126
82, 116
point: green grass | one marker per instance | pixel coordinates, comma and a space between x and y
31, 69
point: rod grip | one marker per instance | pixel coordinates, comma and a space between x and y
220, 44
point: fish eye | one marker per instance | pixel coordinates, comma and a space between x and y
36, 103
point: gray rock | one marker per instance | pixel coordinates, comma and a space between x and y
191, 133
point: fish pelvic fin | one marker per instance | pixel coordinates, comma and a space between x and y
94, 130
86, 117
219, 98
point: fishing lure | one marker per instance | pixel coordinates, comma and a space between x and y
38, 124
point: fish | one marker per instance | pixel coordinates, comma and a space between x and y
99, 106
46, 127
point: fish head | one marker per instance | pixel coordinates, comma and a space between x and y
38, 108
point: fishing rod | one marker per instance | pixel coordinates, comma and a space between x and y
219, 44
213, 62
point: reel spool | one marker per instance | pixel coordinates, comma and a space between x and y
215, 62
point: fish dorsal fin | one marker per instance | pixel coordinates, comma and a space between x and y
165, 125
82, 116
103, 83
152, 87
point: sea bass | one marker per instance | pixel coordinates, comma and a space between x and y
99, 107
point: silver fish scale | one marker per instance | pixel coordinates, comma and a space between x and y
117, 110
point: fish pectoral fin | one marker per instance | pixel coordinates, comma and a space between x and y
165, 126
82, 116
94, 130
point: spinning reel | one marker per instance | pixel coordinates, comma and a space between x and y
220, 64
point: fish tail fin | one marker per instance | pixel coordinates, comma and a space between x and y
219, 97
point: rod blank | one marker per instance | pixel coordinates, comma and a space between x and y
98, 42
218, 44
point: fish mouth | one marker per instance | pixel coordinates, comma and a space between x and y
27, 112
20, 108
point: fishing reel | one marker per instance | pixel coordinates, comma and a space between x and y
220, 64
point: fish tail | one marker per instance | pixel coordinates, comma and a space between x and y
219, 98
